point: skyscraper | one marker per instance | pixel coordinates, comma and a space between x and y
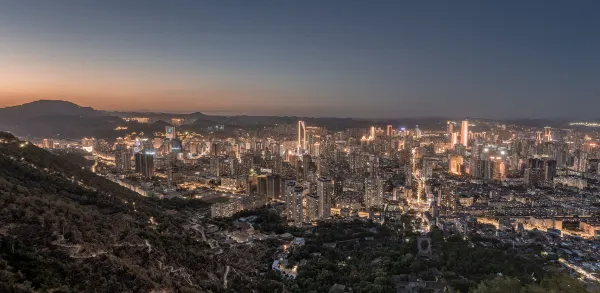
261, 182
122, 158
313, 203
372, 132
306, 162
453, 138
324, 190
294, 203
301, 137
288, 193
144, 164
547, 134
464, 133
48, 143
273, 186
170, 132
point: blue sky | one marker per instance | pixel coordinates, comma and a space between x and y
384, 59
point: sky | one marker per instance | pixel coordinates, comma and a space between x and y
369, 59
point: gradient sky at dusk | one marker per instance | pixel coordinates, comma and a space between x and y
387, 59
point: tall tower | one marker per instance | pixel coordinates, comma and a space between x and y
122, 158
170, 132
454, 138
295, 203
450, 127
144, 164
452, 135
289, 199
547, 134
464, 133
301, 136
324, 195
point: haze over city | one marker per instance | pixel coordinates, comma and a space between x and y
382, 59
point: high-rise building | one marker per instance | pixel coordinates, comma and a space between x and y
261, 183
374, 192
217, 166
306, 162
464, 133
301, 137
455, 164
454, 138
533, 176
549, 170
294, 203
144, 164
313, 203
288, 193
483, 169
539, 137
122, 158
388, 130
547, 134
338, 187
170, 132
47, 143
450, 127
372, 132
324, 190
173, 175
273, 187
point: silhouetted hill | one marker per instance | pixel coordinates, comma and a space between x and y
46, 108
57, 119
65, 229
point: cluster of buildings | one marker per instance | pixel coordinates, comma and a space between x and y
475, 168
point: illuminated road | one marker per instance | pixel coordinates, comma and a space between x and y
578, 270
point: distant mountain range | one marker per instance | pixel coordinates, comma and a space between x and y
62, 119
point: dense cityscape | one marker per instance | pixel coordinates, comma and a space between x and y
273, 146
472, 177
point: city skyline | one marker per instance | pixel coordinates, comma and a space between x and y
334, 59
283, 146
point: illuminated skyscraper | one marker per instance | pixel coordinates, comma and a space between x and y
170, 132
454, 138
301, 137
48, 143
455, 164
451, 135
464, 133
388, 131
372, 132
547, 134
